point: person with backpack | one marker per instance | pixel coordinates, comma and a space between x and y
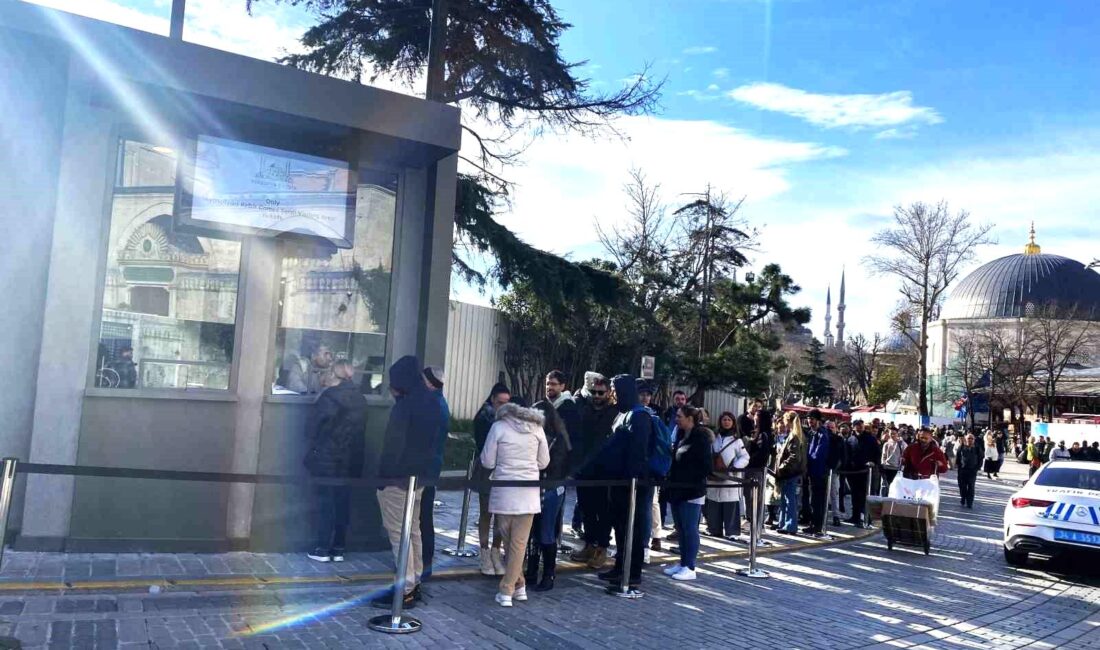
722, 509
627, 456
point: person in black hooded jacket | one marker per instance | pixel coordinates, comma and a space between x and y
626, 457
408, 449
336, 430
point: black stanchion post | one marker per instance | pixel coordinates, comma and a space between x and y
757, 529
6, 489
395, 622
625, 591
828, 500
460, 549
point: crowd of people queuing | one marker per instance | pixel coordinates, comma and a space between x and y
611, 430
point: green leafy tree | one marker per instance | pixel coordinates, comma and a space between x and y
885, 386
813, 383
502, 63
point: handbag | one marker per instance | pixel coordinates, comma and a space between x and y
720, 466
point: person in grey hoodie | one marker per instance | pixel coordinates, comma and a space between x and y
892, 451
515, 450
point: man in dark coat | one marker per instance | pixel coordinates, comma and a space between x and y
339, 419
968, 461
626, 457
408, 449
433, 379
597, 417
558, 395
817, 466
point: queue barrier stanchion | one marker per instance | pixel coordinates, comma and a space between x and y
395, 622
460, 549
6, 489
828, 500
866, 510
755, 531
625, 591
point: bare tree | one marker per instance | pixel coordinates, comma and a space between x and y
1011, 356
968, 368
1062, 336
926, 248
860, 359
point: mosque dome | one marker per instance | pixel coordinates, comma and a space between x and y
1015, 285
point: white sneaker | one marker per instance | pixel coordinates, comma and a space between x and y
487, 568
684, 574
520, 595
671, 570
497, 557
504, 601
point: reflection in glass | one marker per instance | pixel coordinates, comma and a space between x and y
170, 298
334, 303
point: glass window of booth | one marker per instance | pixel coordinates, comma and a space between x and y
334, 302
169, 297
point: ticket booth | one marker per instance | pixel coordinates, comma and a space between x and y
191, 239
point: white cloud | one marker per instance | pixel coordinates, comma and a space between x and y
700, 49
721, 73
832, 111
712, 87
568, 182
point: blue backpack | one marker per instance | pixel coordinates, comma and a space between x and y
659, 454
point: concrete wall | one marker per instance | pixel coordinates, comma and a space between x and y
32, 104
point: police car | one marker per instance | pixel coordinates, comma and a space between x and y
1057, 510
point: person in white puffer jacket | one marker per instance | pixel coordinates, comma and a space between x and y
515, 450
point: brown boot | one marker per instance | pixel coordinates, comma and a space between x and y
598, 559
583, 555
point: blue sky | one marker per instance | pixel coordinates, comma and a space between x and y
824, 115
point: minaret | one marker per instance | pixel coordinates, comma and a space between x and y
840, 313
829, 317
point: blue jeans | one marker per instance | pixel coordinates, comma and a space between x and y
687, 522
788, 504
547, 532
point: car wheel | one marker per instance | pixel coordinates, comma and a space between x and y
1016, 558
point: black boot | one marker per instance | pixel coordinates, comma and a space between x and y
549, 564
531, 576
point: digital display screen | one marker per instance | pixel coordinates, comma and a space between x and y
243, 187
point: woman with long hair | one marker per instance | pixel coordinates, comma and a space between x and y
692, 463
544, 530
723, 506
790, 465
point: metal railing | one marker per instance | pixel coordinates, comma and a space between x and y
397, 622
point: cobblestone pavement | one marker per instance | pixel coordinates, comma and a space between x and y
855, 595
20, 567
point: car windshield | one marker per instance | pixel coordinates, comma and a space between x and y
1069, 477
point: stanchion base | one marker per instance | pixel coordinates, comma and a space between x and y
385, 624
466, 552
10, 642
753, 573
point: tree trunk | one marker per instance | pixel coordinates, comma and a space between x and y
922, 380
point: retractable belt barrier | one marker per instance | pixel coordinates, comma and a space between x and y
396, 622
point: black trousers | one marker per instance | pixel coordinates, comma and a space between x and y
620, 514
858, 485
723, 518
887, 478
819, 499
332, 515
967, 480
427, 528
597, 516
